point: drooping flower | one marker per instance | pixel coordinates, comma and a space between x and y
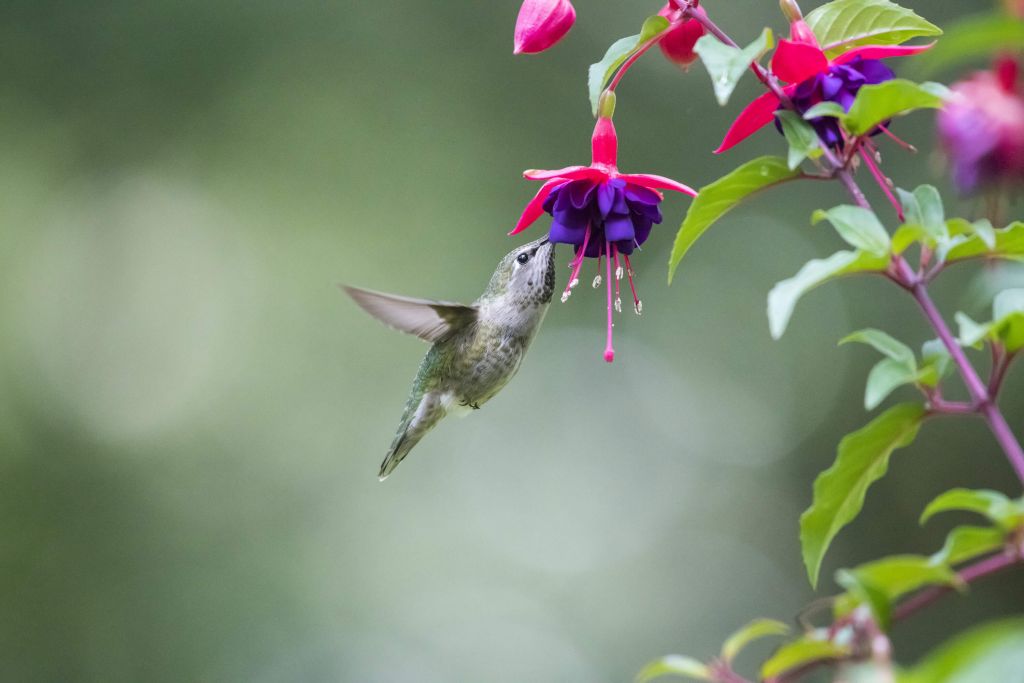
811, 78
678, 41
602, 213
981, 128
541, 24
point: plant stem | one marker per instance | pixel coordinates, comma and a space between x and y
979, 570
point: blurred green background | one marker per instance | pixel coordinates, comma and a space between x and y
193, 415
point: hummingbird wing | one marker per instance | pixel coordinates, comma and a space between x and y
428, 320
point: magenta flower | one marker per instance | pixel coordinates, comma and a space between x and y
541, 24
678, 41
601, 212
982, 128
812, 78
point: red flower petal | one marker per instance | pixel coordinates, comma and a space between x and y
535, 208
758, 114
567, 173
880, 52
794, 62
657, 182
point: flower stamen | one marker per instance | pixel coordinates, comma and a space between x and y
609, 351
638, 306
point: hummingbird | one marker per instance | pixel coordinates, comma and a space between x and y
476, 349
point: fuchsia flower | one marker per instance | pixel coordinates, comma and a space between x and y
678, 41
541, 24
812, 78
982, 128
601, 212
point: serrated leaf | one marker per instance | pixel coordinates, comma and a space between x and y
968, 542
727, 64
875, 104
887, 376
601, 72
800, 652
783, 297
863, 458
884, 343
825, 108
843, 24
803, 141
985, 654
1009, 244
756, 629
992, 504
977, 36
717, 199
858, 226
675, 665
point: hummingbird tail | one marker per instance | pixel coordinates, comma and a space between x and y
427, 414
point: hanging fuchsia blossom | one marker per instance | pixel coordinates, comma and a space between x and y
601, 212
678, 41
541, 24
812, 78
982, 128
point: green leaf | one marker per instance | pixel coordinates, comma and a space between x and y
992, 504
968, 542
717, 199
902, 574
675, 665
977, 36
601, 72
986, 654
863, 458
908, 234
783, 297
727, 64
887, 376
1006, 328
1009, 244
981, 228
861, 592
803, 141
843, 24
800, 652
936, 363
884, 343
858, 226
924, 213
756, 629
825, 108
875, 104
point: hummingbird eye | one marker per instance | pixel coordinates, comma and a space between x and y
523, 258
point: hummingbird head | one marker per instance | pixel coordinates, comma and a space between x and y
526, 276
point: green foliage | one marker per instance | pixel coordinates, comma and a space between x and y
977, 36
863, 458
755, 630
923, 210
1008, 243
825, 108
986, 654
991, 504
882, 342
1005, 328
858, 226
875, 104
802, 139
968, 542
843, 24
783, 297
880, 583
800, 652
675, 665
619, 51
897, 369
717, 199
727, 64
936, 363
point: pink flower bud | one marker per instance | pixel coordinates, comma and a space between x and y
800, 32
541, 24
677, 43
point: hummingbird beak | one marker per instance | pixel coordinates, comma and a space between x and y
543, 242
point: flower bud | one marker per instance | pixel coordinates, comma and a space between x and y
791, 10
981, 128
541, 24
677, 43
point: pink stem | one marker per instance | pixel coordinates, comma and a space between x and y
883, 182
626, 65
632, 287
609, 351
989, 565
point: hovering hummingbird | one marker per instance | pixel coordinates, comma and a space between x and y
476, 349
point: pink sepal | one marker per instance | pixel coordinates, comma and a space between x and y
657, 182
567, 173
880, 52
757, 115
535, 208
795, 62
541, 24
